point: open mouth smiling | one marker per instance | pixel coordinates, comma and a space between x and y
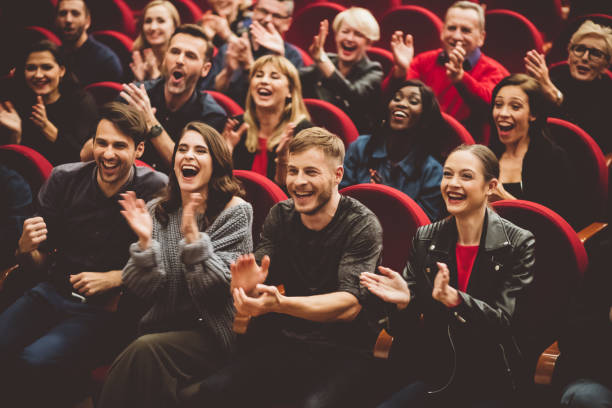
189, 170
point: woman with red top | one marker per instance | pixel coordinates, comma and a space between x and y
275, 111
454, 308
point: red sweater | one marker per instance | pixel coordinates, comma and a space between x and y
456, 100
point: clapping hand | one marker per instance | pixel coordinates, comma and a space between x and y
267, 37
454, 66
442, 291
390, 286
138, 218
317, 48
403, 52
231, 136
189, 225
246, 274
9, 118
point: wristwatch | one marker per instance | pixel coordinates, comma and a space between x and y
559, 96
155, 131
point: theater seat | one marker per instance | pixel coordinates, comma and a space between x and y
305, 24
378, 8
33, 34
306, 58
510, 50
104, 92
558, 52
385, 57
231, 107
112, 15
32, 165
332, 118
189, 11
438, 7
120, 43
424, 26
459, 135
546, 15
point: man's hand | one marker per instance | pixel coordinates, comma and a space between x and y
246, 274
454, 66
317, 48
34, 232
92, 283
138, 98
268, 37
137, 216
403, 52
390, 286
213, 24
442, 291
189, 226
138, 66
268, 301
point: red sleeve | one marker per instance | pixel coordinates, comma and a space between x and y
480, 82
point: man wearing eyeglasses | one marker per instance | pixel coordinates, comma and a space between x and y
230, 68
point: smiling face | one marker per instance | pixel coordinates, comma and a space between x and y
157, 25
225, 8
592, 63
72, 20
462, 25
511, 114
277, 13
193, 163
43, 74
312, 178
114, 154
269, 87
184, 63
351, 43
405, 108
464, 188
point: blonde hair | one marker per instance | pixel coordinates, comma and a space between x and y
589, 28
294, 111
361, 19
320, 138
140, 42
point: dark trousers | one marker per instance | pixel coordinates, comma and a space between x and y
304, 375
153, 369
48, 344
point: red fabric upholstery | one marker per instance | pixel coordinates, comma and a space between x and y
306, 58
305, 24
140, 163
385, 57
399, 217
565, 63
561, 260
188, 10
227, 103
103, 92
32, 165
137, 5
112, 15
120, 43
558, 52
590, 167
262, 193
378, 7
510, 50
545, 14
332, 118
437, 7
424, 26
459, 136
36, 33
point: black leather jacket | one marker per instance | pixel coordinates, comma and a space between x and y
473, 343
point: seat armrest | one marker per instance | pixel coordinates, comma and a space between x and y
5, 274
382, 348
546, 365
591, 231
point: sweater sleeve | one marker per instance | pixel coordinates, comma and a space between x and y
359, 91
477, 85
144, 273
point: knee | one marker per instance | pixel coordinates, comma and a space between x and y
143, 347
586, 394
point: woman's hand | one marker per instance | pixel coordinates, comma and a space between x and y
189, 226
317, 48
146, 68
231, 136
39, 118
499, 193
390, 286
403, 52
535, 65
442, 291
137, 216
10, 119
213, 24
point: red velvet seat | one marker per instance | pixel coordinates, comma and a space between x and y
547, 15
16, 42
305, 24
558, 52
120, 43
424, 26
378, 8
332, 118
32, 165
561, 261
557, 65
399, 217
104, 92
385, 57
263, 194
112, 15
458, 136
508, 49
189, 11
438, 7
231, 107
33, 34
306, 58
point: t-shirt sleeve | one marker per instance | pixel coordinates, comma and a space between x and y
362, 254
267, 242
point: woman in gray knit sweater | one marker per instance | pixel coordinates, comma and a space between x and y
180, 265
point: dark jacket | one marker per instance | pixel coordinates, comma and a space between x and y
356, 94
471, 345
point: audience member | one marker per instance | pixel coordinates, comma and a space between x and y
461, 76
461, 350
90, 60
399, 152
60, 329
230, 70
157, 24
227, 18
532, 166
314, 345
581, 90
181, 265
49, 111
274, 112
349, 79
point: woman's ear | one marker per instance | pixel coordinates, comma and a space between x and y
492, 186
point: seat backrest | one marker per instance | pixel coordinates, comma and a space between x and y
399, 217
36, 33
546, 15
561, 260
332, 118
32, 166
378, 8
459, 135
424, 26
306, 58
120, 43
113, 15
558, 52
507, 49
104, 92
438, 7
189, 11
262, 193
305, 24
231, 107
589, 166
557, 65
14, 43
385, 57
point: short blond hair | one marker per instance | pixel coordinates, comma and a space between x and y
589, 28
361, 19
331, 145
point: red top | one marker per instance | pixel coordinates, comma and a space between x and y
466, 255
260, 161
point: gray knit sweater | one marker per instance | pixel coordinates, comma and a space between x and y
188, 284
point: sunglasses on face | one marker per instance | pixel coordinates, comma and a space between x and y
594, 53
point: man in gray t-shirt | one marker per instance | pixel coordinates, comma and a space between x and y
313, 343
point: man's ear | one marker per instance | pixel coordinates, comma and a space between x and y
481, 40
140, 149
206, 69
87, 22
339, 173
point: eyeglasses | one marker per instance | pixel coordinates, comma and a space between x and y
595, 55
265, 13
